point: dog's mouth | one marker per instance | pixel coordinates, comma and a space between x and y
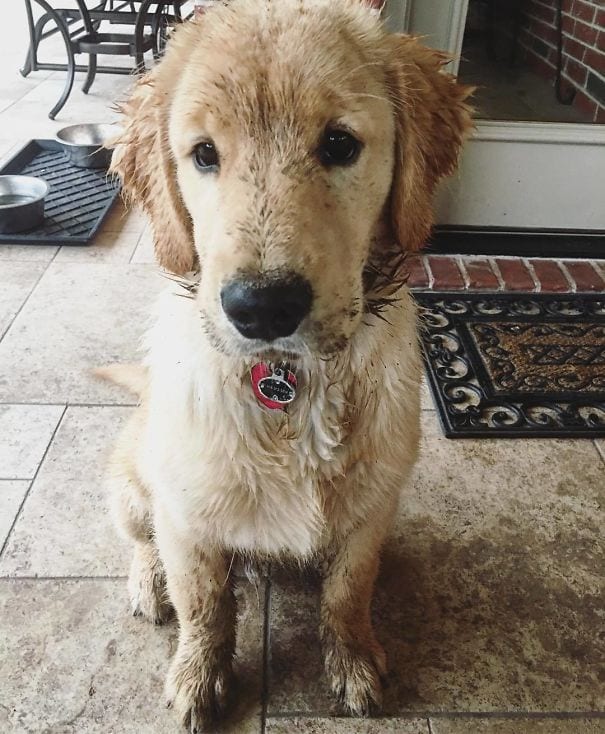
322, 339
291, 350
274, 355
315, 339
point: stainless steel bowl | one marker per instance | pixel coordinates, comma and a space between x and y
84, 144
21, 203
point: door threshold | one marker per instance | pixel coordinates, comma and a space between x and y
450, 240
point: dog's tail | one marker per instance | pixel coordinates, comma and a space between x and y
133, 377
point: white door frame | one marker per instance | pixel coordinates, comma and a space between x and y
507, 163
397, 15
444, 30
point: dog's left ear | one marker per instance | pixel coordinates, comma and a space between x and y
432, 120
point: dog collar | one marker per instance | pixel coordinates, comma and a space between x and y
273, 385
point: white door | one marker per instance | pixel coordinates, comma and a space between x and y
534, 164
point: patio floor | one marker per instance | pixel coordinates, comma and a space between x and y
490, 599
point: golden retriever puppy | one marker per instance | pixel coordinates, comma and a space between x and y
286, 153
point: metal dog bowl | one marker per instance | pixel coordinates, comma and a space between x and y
84, 144
21, 203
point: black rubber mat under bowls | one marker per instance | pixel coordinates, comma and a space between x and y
78, 200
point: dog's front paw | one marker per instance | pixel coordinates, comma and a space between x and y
197, 688
354, 675
147, 587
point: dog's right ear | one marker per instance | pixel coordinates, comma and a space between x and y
143, 160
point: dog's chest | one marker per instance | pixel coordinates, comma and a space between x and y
228, 471
248, 478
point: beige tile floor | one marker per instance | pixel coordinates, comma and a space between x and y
490, 599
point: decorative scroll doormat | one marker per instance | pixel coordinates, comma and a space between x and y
516, 365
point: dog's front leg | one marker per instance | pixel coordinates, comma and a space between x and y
200, 589
354, 660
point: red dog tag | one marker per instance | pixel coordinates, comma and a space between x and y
274, 386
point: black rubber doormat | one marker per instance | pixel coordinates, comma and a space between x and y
516, 365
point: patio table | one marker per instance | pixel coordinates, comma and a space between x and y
79, 27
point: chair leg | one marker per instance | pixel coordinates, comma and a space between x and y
35, 31
27, 67
159, 30
71, 62
139, 31
69, 83
90, 28
91, 73
155, 34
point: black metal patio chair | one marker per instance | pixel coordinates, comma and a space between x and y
79, 27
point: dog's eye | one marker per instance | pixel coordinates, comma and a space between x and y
338, 148
205, 156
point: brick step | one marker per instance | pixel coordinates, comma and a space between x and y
530, 275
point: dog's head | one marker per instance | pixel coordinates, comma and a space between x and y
279, 147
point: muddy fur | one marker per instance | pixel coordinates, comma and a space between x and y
203, 472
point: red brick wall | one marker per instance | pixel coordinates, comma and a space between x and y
583, 48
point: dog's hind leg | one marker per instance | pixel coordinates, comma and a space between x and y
132, 511
354, 660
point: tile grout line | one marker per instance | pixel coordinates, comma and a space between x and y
457, 715
266, 654
29, 295
514, 715
56, 255
63, 578
459, 260
31, 484
600, 451
532, 273
430, 728
568, 277
496, 271
70, 405
595, 268
429, 272
136, 247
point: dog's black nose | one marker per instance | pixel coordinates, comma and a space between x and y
269, 309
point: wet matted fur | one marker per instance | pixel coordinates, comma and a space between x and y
203, 471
